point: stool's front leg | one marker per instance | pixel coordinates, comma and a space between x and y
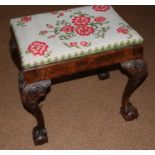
31, 97
137, 71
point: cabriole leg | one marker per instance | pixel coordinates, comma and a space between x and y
137, 71
31, 95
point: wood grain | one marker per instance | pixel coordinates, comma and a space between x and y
82, 64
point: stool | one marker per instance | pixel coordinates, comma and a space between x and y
57, 44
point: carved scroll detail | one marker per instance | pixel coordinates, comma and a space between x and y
31, 95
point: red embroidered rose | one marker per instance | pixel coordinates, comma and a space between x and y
101, 8
84, 30
38, 48
84, 43
26, 19
122, 30
100, 19
73, 43
67, 28
81, 20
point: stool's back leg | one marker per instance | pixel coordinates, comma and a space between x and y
14, 52
137, 71
31, 95
103, 74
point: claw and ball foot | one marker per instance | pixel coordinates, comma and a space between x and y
129, 112
39, 135
137, 71
31, 96
103, 75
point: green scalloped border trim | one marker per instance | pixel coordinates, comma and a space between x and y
96, 50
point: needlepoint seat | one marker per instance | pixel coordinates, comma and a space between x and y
67, 34
51, 45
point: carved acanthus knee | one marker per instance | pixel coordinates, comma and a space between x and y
31, 93
135, 67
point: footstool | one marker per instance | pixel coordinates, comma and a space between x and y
56, 44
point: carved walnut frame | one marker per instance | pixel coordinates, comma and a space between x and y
35, 82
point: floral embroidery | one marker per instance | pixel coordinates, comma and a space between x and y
84, 30
80, 20
50, 26
74, 31
84, 43
67, 28
38, 48
26, 19
80, 24
23, 21
44, 32
102, 8
78, 45
99, 19
73, 43
124, 29
60, 13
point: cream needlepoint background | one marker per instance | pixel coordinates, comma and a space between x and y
66, 34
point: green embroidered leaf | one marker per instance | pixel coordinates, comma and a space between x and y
28, 65
49, 60
94, 25
129, 27
77, 13
76, 47
134, 42
82, 53
62, 57
106, 22
35, 63
129, 35
89, 51
121, 44
66, 44
84, 14
56, 59
20, 23
62, 37
122, 24
57, 30
92, 16
109, 47
128, 43
58, 23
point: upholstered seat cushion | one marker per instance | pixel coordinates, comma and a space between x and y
58, 36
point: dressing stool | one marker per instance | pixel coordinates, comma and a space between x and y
57, 44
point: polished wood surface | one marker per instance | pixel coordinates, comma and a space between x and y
82, 64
